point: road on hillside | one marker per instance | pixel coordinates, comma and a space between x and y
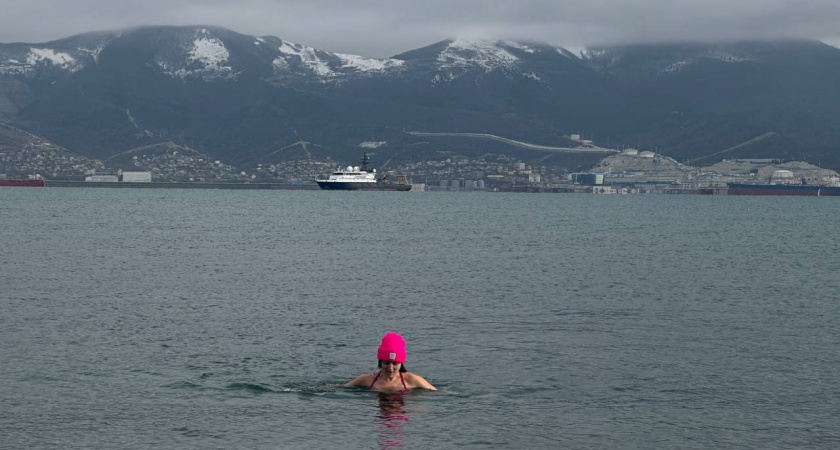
519, 143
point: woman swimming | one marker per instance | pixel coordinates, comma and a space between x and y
392, 375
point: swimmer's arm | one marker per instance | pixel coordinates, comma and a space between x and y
361, 380
416, 381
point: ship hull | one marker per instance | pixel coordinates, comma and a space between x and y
351, 186
23, 183
783, 189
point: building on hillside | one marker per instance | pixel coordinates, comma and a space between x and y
137, 177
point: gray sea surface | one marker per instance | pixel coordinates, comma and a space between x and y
158, 318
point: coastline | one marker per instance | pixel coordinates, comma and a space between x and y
179, 185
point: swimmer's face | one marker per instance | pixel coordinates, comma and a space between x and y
390, 366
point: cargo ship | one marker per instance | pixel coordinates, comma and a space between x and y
812, 190
360, 178
29, 182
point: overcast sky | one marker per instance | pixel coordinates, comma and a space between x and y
379, 28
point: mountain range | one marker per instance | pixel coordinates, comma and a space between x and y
259, 99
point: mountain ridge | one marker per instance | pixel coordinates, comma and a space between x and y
241, 98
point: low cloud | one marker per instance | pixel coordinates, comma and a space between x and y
384, 28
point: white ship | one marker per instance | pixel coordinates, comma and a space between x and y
356, 178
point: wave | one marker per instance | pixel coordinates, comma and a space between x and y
252, 387
185, 385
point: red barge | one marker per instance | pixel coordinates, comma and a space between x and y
32, 182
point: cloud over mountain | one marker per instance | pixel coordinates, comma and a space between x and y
377, 29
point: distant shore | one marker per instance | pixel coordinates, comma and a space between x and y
180, 185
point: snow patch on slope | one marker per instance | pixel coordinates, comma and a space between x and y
461, 55
677, 66
726, 56
93, 52
716, 55
566, 50
488, 55
674, 62
593, 53
522, 47
328, 66
207, 58
58, 59
29, 60
212, 54
307, 55
363, 64
831, 41
12, 66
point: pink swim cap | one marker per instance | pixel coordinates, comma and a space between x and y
392, 348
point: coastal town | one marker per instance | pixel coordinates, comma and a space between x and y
628, 171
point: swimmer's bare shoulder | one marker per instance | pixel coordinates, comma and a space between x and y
413, 380
364, 379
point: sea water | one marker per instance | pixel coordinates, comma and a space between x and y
139, 318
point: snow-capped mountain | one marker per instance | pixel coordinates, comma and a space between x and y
213, 53
667, 60
296, 59
206, 53
450, 60
244, 98
66, 55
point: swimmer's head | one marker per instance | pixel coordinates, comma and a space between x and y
381, 362
392, 348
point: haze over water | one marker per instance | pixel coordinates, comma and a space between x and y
133, 318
